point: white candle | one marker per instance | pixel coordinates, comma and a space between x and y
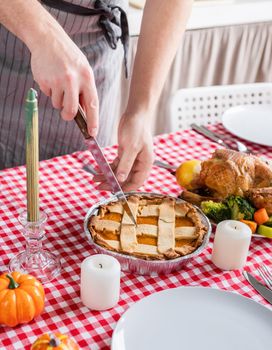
231, 245
100, 282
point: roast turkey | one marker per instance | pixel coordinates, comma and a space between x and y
229, 172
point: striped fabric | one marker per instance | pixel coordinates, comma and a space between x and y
57, 137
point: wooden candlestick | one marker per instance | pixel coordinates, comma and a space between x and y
32, 156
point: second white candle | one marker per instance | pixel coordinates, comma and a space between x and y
231, 244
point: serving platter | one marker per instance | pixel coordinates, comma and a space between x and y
138, 265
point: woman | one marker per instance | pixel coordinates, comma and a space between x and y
70, 56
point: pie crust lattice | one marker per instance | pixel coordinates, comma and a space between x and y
166, 228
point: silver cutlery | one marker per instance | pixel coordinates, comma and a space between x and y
241, 147
165, 165
201, 129
205, 132
266, 275
265, 292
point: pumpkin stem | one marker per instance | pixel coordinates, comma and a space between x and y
12, 283
55, 342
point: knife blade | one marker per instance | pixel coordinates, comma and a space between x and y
102, 162
265, 292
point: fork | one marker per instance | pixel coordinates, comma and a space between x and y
209, 134
220, 139
266, 275
241, 147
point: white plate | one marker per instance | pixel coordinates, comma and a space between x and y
194, 318
251, 122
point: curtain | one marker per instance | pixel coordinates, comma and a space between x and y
233, 54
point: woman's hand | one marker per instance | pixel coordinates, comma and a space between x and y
58, 65
64, 74
135, 153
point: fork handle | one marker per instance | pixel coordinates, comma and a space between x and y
209, 135
221, 137
164, 165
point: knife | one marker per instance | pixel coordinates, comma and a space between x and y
209, 135
265, 292
102, 162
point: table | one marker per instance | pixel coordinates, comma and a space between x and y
66, 193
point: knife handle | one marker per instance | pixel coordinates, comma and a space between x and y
80, 119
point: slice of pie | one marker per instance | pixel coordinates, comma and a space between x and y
166, 228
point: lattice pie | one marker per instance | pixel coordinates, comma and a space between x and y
166, 229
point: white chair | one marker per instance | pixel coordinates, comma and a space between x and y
205, 105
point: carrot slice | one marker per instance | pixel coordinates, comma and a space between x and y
261, 216
252, 225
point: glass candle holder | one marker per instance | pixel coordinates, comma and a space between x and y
35, 260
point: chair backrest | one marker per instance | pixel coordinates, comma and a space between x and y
205, 105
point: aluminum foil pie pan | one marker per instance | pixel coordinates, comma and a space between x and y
142, 266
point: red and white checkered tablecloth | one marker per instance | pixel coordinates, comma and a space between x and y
66, 193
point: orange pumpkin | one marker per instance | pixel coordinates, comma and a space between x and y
54, 342
21, 298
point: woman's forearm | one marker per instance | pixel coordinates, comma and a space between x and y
162, 27
29, 21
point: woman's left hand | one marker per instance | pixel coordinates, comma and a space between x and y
135, 153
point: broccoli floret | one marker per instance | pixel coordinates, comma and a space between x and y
216, 211
240, 208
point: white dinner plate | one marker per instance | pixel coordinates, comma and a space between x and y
194, 318
251, 122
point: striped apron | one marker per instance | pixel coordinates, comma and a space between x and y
57, 137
